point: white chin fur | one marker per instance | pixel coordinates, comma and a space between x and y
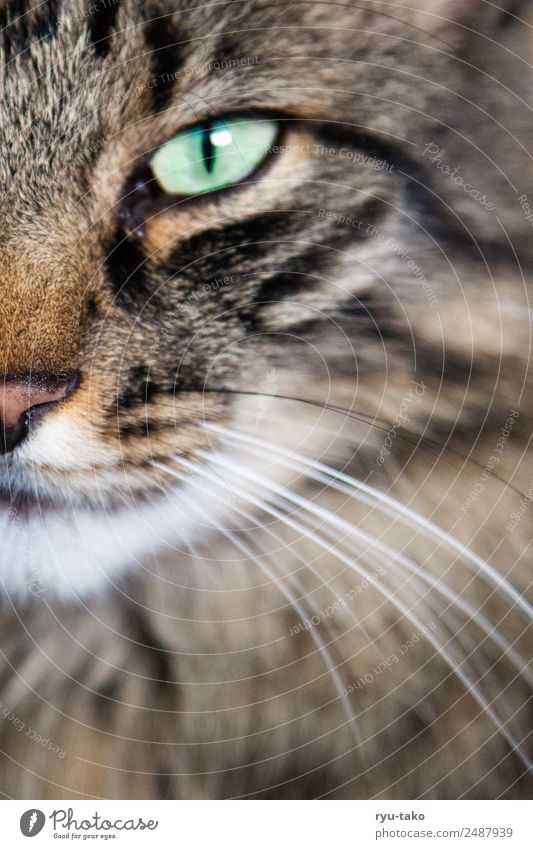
82, 552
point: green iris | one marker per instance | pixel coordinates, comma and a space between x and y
212, 155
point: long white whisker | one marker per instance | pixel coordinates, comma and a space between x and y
330, 666
393, 557
323, 582
440, 650
348, 530
218, 479
344, 483
455, 627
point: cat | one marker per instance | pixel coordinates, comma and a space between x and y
266, 475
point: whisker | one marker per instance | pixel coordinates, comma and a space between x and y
345, 483
455, 627
323, 582
403, 434
330, 666
518, 661
392, 557
455, 668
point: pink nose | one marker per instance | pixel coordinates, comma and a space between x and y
24, 399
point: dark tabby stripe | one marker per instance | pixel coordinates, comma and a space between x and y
125, 267
102, 24
164, 43
136, 387
26, 25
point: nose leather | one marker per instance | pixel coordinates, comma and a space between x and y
21, 394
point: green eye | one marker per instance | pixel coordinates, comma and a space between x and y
213, 155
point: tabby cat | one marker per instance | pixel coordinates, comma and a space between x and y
266, 404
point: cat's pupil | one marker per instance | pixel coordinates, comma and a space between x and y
208, 149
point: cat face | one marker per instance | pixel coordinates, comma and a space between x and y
146, 310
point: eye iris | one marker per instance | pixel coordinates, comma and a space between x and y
212, 156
